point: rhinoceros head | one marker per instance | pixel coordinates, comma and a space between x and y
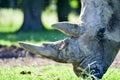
91, 46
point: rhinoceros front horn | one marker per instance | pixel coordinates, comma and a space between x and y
39, 50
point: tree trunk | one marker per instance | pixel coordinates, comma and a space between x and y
79, 7
4, 3
12, 3
63, 9
32, 15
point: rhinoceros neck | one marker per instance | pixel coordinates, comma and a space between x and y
113, 27
111, 48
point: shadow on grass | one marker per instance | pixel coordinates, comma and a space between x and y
31, 36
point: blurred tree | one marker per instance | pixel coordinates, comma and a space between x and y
10, 3
47, 3
13, 3
32, 15
33, 9
78, 7
63, 9
7, 3
4, 3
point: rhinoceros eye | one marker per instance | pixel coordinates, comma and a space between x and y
100, 34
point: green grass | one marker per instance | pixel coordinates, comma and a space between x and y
38, 73
10, 20
112, 74
33, 37
49, 73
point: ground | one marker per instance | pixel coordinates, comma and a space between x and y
14, 56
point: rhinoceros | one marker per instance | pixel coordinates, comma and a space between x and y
94, 40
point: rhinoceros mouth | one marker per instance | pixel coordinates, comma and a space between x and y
95, 70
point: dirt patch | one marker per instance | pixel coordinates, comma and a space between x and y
14, 56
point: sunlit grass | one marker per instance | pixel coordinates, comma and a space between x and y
38, 73
33, 37
49, 18
49, 73
112, 74
10, 20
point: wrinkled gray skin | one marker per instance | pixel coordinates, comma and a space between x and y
94, 40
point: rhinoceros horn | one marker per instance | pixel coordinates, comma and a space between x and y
71, 29
39, 50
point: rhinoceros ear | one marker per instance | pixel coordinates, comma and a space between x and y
68, 28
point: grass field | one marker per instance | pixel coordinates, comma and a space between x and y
10, 20
48, 73
33, 37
